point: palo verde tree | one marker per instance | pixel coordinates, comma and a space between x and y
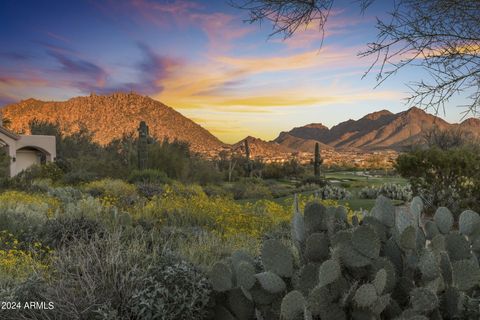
440, 36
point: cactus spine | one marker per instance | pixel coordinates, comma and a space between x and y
142, 147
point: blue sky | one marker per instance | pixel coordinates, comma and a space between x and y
200, 58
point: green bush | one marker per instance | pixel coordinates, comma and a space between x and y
151, 176
213, 190
250, 188
64, 230
78, 176
149, 190
49, 171
119, 191
172, 289
390, 190
448, 178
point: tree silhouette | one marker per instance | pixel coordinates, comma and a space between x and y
441, 37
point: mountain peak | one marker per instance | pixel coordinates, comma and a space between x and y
316, 126
378, 114
474, 122
415, 110
111, 116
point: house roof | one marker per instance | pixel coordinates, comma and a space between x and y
9, 133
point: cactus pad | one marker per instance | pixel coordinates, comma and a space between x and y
239, 256
307, 278
444, 220
298, 228
317, 247
352, 258
365, 296
292, 306
221, 277
408, 238
241, 307
366, 242
319, 300
329, 272
469, 222
380, 281
245, 274
384, 211
276, 257
270, 282
428, 266
457, 247
466, 274
423, 300
315, 215
431, 230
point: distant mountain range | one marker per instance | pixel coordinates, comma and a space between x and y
376, 131
111, 116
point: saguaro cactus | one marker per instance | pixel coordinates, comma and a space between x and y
317, 161
142, 147
248, 164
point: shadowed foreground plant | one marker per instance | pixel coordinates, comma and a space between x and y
390, 266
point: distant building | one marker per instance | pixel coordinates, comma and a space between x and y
26, 150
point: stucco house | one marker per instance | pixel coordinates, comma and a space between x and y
26, 150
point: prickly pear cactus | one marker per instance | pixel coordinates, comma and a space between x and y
392, 264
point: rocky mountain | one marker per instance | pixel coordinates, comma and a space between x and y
111, 116
259, 147
299, 144
376, 131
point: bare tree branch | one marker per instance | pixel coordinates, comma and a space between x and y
441, 37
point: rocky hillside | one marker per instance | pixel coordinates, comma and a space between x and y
259, 147
111, 116
377, 131
299, 144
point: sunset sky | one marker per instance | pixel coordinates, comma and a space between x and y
200, 58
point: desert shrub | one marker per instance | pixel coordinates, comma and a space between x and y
64, 230
444, 177
96, 209
172, 289
312, 180
383, 268
249, 188
149, 190
213, 190
78, 176
333, 192
389, 190
19, 260
24, 214
203, 248
41, 185
120, 276
112, 191
50, 171
151, 176
29, 202
65, 194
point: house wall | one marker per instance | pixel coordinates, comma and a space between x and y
25, 159
23, 150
